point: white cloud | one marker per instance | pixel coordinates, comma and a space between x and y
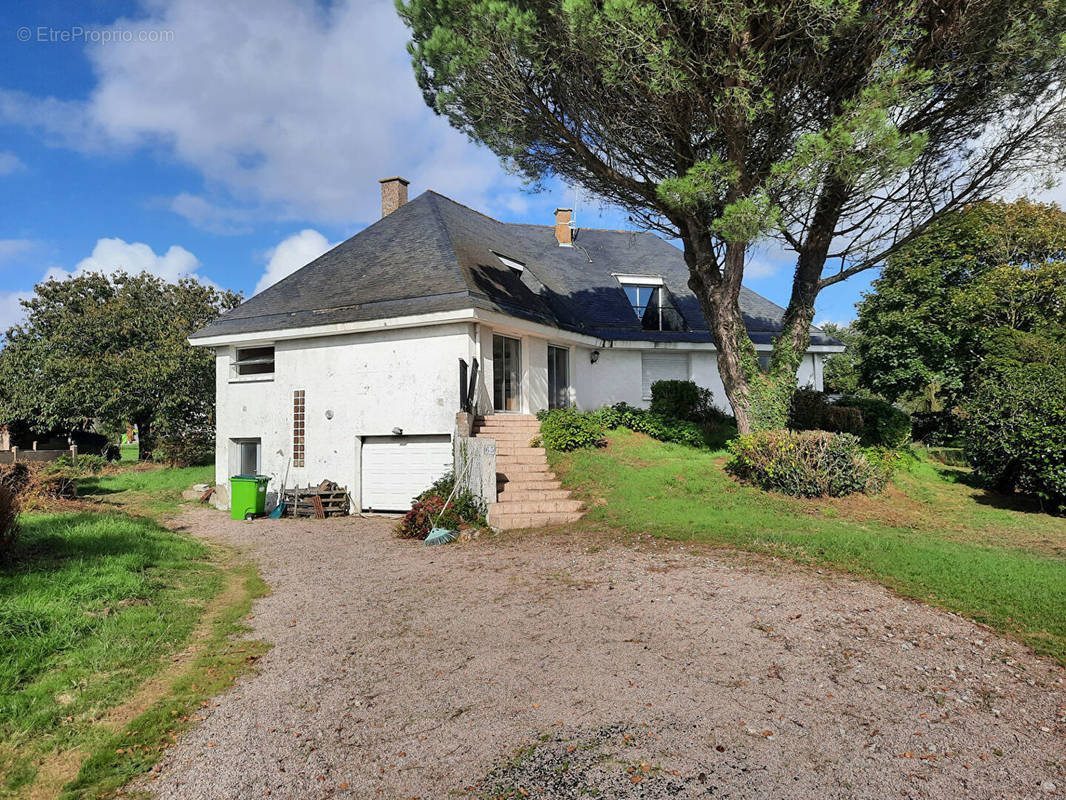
295, 108
202, 213
12, 248
9, 162
116, 255
839, 323
291, 254
11, 313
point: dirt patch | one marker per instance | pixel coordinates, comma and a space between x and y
60, 768
400, 671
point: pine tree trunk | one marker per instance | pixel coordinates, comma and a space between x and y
718, 292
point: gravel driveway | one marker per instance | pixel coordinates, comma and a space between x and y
554, 667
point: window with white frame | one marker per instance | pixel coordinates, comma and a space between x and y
251, 361
246, 456
651, 302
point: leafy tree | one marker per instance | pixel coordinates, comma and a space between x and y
928, 323
1016, 416
841, 127
841, 374
115, 349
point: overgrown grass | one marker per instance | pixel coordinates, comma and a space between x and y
933, 536
148, 489
93, 609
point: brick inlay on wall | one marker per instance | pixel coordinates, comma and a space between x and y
298, 428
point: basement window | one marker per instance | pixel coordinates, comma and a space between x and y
254, 361
517, 266
246, 456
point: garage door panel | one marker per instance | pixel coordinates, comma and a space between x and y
396, 468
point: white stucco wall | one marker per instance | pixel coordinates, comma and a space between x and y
407, 378
371, 382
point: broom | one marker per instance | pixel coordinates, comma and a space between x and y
441, 535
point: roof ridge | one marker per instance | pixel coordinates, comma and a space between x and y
463, 205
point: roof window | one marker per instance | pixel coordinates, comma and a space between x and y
651, 302
507, 261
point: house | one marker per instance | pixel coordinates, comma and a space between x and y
354, 367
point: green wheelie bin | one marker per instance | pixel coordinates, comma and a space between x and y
247, 496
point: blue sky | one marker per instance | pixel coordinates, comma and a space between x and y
233, 141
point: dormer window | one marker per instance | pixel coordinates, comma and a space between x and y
509, 262
645, 293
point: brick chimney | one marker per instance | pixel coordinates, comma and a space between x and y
393, 194
564, 234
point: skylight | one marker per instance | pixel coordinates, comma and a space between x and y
517, 266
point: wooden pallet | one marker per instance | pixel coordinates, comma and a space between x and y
315, 502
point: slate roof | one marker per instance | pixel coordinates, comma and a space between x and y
433, 254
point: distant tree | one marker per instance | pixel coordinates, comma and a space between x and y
925, 327
1015, 415
111, 348
841, 127
840, 372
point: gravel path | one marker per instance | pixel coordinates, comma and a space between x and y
558, 668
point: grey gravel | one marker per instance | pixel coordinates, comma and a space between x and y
403, 671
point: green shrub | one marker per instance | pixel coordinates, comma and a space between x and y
657, 426
567, 429
433, 509
843, 419
465, 505
808, 410
805, 463
9, 521
883, 425
811, 411
937, 428
686, 401
1016, 432
87, 464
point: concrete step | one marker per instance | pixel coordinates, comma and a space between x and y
508, 495
528, 452
504, 521
546, 484
511, 442
535, 507
503, 417
525, 473
515, 459
509, 432
519, 450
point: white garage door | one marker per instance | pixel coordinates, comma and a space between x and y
396, 468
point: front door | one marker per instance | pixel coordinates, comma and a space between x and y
558, 377
506, 372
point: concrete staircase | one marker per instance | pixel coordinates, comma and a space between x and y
528, 495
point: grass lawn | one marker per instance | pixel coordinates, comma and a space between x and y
113, 629
931, 536
147, 489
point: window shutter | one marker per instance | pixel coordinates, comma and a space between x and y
662, 367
